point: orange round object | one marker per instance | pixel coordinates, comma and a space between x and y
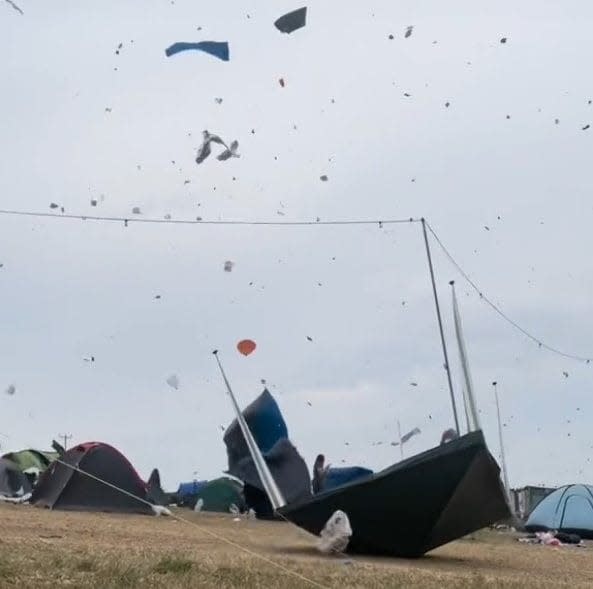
246, 346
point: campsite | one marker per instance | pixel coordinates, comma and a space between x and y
102, 550
296, 295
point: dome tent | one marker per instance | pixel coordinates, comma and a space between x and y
63, 487
220, 494
569, 509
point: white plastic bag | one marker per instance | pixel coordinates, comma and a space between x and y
335, 534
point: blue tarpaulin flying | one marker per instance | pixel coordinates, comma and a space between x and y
218, 49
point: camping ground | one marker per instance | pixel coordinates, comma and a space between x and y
42, 548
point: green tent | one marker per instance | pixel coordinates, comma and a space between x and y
32, 461
220, 494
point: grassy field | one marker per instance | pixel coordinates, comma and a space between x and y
40, 548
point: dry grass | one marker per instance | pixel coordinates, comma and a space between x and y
39, 548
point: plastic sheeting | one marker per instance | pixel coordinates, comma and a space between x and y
335, 534
218, 49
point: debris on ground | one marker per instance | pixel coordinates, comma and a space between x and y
335, 534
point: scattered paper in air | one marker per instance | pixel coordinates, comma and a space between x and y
11, 390
206, 148
173, 381
228, 266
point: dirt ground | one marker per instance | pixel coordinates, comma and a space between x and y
41, 548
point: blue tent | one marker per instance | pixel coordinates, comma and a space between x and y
336, 477
187, 492
568, 509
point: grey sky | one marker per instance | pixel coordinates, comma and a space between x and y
72, 289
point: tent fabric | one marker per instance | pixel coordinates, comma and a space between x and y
568, 509
154, 491
187, 492
266, 424
219, 494
415, 505
13, 483
31, 459
62, 487
288, 469
292, 21
336, 477
218, 49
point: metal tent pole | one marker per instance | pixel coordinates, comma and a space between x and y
440, 322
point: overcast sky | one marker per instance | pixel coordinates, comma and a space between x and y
80, 122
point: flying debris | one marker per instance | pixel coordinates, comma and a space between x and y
556, 121
119, 48
228, 266
406, 437
310, 339
281, 82
246, 346
447, 104
323, 178
565, 373
215, 48
503, 40
229, 152
53, 205
11, 390
136, 211
391, 37
205, 149
157, 297
173, 381
413, 384
586, 127
409, 31
91, 359
218, 100
93, 202
14, 6
292, 21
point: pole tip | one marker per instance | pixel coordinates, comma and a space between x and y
494, 383
215, 352
451, 282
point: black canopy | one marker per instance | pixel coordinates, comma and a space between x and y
416, 505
